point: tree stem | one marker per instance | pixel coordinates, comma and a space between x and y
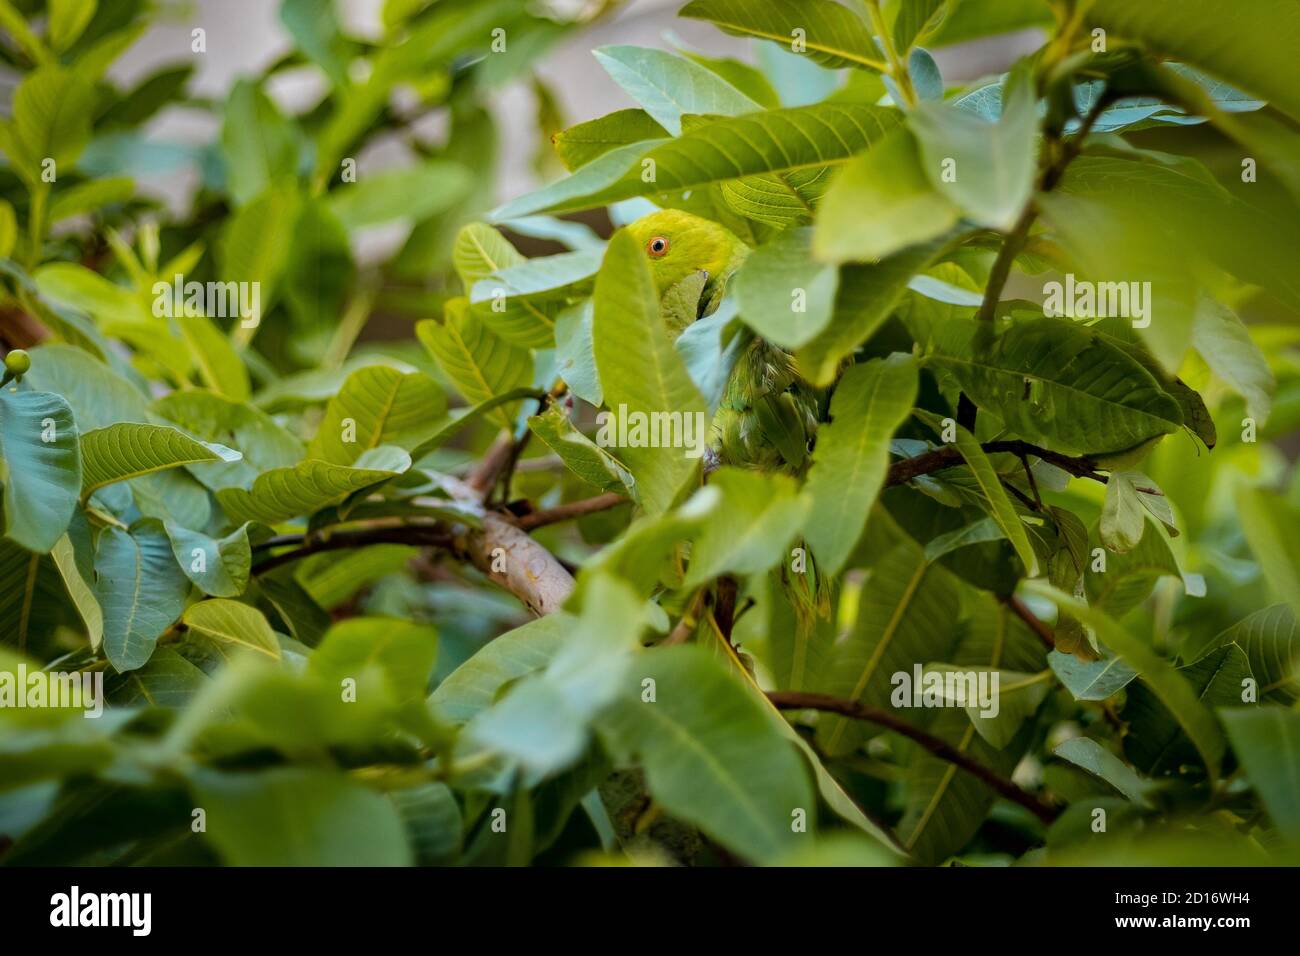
798, 700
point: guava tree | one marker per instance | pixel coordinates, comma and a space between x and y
902, 478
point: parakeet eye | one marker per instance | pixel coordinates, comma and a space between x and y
657, 247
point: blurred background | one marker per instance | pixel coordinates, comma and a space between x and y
246, 38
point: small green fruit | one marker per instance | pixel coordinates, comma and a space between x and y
17, 362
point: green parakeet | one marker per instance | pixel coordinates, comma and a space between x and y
768, 414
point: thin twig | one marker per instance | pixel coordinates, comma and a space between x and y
570, 510
1019, 234
1039, 627
419, 535
799, 700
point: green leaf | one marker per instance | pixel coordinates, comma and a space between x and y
905, 617
168, 680
1272, 529
479, 363
42, 467
944, 805
219, 365
867, 297
1193, 30
784, 295
519, 300
1126, 580
404, 651
1155, 218
298, 816
1091, 680
1223, 341
8, 229
758, 519
916, 19
284, 493
852, 454
972, 19
429, 45
643, 376
317, 33
1131, 495
1122, 517
306, 620
51, 120
470, 415
433, 822
881, 202
214, 418
229, 622
1091, 756
773, 141
140, 588
833, 35
251, 249
99, 396
1056, 383
712, 754
1271, 641
575, 356
987, 170
1267, 741
996, 498
331, 579
90, 196
33, 599
77, 575
410, 193
1015, 699
377, 406
545, 722
131, 449
479, 252
1169, 686
1155, 743
977, 532
543, 278
669, 86
579, 145
217, 566
68, 18
580, 454
474, 685
259, 145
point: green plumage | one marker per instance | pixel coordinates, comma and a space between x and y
768, 415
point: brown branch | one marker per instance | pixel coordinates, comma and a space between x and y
432, 536
1038, 626
798, 700
508, 556
724, 607
1019, 234
570, 510
937, 459
484, 476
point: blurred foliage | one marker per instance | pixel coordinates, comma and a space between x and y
239, 444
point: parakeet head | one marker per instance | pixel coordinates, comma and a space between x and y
678, 244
